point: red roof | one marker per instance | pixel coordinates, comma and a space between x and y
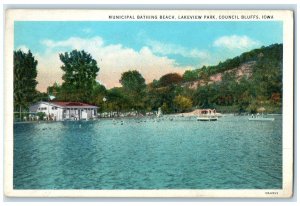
72, 104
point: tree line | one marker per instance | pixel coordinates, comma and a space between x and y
171, 93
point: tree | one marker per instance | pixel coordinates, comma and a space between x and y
165, 108
183, 104
80, 74
133, 82
54, 90
98, 93
159, 96
117, 100
204, 76
25, 73
267, 76
227, 88
190, 75
134, 87
161, 93
170, 79
206, 96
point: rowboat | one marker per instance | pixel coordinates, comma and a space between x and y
261, 119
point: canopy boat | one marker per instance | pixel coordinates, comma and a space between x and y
207, 115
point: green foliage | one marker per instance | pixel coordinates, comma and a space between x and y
161, 93
262, 88
206, 96
80, 71
98, 93
118, 100
182, 103
170, 79
42, 96
190, 75
134, 89
41, 115
271, 52
54, 90
267, 77
165, 108
133, 82
25, 73
227, 109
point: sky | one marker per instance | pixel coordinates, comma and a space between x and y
153, 48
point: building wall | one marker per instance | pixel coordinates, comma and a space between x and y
59, 113
48, 109
79, 113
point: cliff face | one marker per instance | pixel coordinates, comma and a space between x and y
244, 70
258, 64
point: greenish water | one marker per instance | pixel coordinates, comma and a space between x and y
232, 153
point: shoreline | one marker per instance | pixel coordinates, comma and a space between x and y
187, 114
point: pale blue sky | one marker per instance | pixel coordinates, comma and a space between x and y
181, 44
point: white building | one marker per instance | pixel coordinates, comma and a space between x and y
65, 110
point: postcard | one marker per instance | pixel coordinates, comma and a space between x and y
149, 103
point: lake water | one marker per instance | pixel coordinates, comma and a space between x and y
232, 153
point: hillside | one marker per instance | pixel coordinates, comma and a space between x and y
245, 83
244, 70
242, 64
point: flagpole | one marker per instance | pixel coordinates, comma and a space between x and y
48, 105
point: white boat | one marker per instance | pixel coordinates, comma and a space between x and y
208, 115
207, 118
261, 119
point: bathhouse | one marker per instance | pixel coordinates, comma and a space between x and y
59, 111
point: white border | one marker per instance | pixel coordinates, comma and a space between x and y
102, 15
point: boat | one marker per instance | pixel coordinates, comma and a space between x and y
260, 118
208, 115
207, 118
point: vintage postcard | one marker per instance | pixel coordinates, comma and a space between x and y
149, 103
